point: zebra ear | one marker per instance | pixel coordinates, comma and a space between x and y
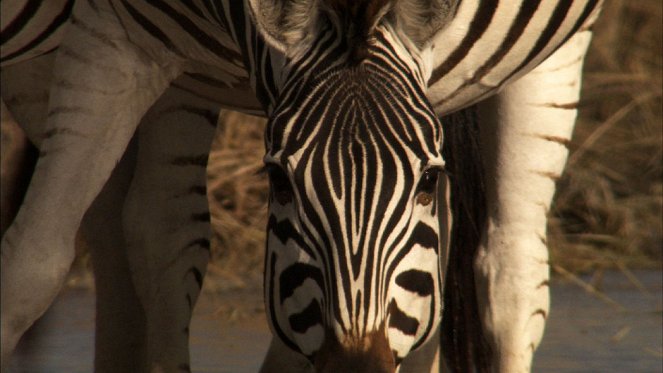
421, 20
284, 23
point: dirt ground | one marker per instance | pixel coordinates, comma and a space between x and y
615, 333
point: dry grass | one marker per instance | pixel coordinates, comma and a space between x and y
608, 209
238, 201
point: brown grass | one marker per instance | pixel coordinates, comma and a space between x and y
608, 209
238, 200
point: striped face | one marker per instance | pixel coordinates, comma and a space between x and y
352, 263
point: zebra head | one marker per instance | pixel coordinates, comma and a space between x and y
353, 274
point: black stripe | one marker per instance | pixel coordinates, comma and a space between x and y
197, 275
60, 131
541, 312
54, 25
485, 12
202, 242
238, 19
429, 325
309, 317
558, 16
208, 80
544, 283
589, 8
323, 246
294, 276
211, 116
20, 21
194, 31
423, 235
253, 110
527, 10
74, 55
94, 6
416, 281
193, 8
91, 31
399, 320
150, 27
271, 261
284, 231
216, 10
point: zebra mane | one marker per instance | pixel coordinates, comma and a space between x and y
357, 20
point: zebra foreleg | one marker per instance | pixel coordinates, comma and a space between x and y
166, 220
119, 318
525, 131
102, 87
25, 92
18, 160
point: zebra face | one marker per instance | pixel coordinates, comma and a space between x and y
352, 270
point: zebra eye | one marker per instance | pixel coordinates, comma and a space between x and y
280, 185
427, 186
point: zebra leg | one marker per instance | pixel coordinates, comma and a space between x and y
525, 132
119, 334
119, 318
18, 160
25, 89
25, 93
102, 87
166, 221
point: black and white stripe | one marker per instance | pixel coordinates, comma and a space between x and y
31, 28
500, 42
352, 249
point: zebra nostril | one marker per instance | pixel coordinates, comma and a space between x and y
368, 354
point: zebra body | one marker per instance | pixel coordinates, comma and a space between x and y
30, 28
119, 56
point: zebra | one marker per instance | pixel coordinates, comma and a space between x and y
451, 54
